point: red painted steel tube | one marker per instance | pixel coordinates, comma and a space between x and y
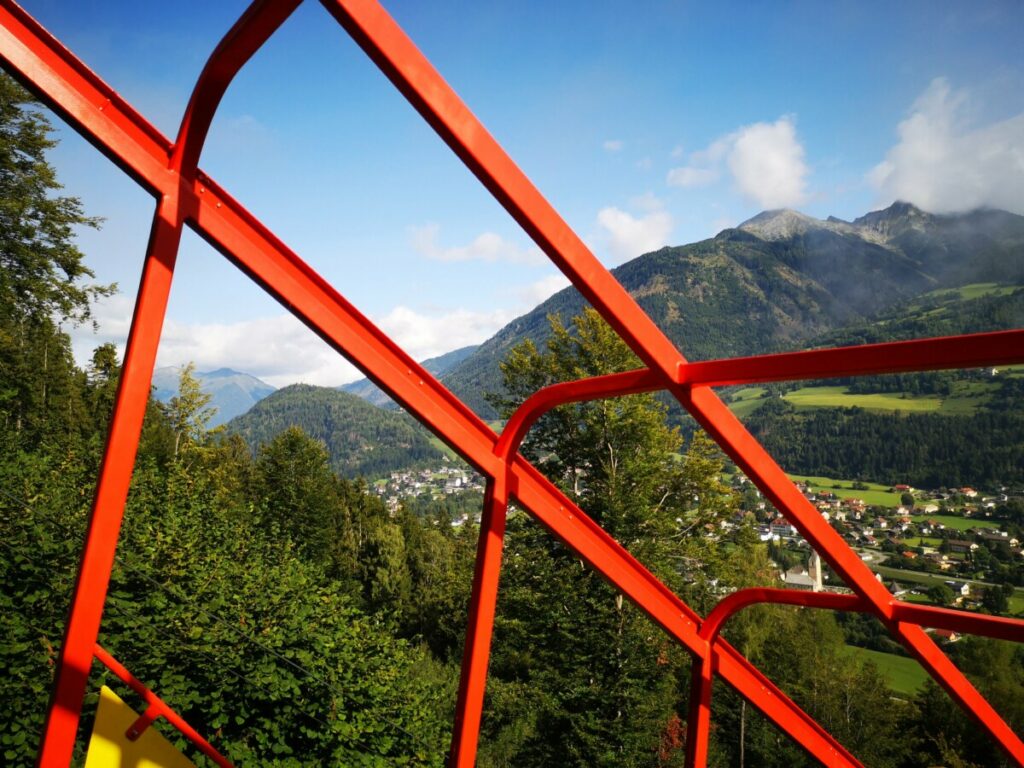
259, 21
413, 75
942, 353
86, 610
480, 626
736, 601
998, 627
700, 696
925, 615
95, 111
698, 719
939, 353
157, 708
128, 144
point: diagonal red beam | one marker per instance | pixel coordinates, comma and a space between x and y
94, 110
157, 707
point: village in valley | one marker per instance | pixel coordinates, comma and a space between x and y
957, 547
432, 484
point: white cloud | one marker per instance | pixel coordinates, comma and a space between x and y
613, 145
689, 176
280, 349
765, 160
942, 165
536, 292
486, 247
628, 236
428, 335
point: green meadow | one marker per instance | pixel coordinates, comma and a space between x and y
903, 675
875, 494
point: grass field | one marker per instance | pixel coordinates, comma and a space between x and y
965, 399
876, 494
977, 290
1017, 604
952, 521
442, 446
911, 577
903, 675
839, 397
747, 400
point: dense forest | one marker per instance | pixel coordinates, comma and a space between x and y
922, 449
289, 616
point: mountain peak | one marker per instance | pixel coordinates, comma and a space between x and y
898, 215
781, 224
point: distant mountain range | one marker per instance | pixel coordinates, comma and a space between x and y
439, 366
780, 279
233, 393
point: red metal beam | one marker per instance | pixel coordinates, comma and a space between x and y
942, 353
939, 353
93, 109
480, 626
83, 98
156, 708
698, 724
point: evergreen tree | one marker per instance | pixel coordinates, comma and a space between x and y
43, 279
188, 411
604, 681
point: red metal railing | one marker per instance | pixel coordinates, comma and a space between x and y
156, 708
186, 197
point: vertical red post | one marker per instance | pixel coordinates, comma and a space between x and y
90, 592
698, 724
480, 627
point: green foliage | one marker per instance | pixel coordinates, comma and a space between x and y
940, 594
43, 280
599, 683
924, 450
188, 412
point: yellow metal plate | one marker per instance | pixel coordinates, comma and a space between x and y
110, 748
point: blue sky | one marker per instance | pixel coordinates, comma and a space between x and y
645, 124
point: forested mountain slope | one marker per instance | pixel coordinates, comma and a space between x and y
362, 439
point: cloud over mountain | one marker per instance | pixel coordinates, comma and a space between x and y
943, 164
764, 160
